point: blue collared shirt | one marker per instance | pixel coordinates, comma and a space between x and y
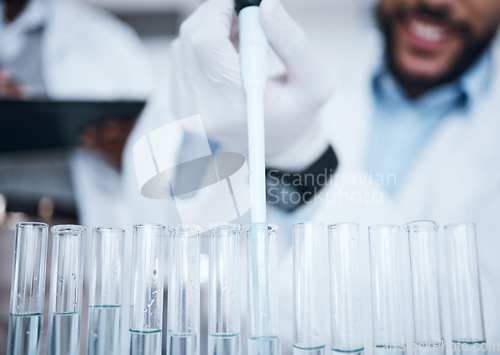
402, 126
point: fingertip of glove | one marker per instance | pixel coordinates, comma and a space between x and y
276, 20
273, 18
268, 9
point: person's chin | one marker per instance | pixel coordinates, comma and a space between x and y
422, 69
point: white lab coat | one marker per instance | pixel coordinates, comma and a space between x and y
454, 179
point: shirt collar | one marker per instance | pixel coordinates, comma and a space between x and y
477, 79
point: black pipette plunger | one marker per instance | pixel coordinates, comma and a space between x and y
240, 4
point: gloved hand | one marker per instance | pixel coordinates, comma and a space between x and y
206, 80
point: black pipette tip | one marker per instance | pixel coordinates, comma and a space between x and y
241, 4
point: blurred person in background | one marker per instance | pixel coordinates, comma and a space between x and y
68, 50
410, 132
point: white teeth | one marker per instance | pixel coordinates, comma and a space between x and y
427, 32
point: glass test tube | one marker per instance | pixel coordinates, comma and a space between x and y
345, 289
183, 324
105, 292
465, 289
146, 294
66, 290
423, 243
263, 332
28, 289
224, 321
387, 289
308, 265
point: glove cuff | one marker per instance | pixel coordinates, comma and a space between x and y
304, 151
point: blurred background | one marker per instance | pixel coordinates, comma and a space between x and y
332, 25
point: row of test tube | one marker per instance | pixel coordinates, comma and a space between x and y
183, 310
146, 308
387, 257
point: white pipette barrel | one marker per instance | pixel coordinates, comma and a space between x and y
253, 48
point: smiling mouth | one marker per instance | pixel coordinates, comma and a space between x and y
427, 32
428, 36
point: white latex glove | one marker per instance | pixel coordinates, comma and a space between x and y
206, 79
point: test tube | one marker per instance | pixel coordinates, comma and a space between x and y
224, 321
308, 266
465, 289
28, 289
387, 289
423, 243
66, 290
146, 307
183, 323
105, 292
263, 332
345, 289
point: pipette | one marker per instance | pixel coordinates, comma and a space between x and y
253, 48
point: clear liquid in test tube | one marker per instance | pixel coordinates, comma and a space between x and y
468, 333
423, 243
27, 289
345, 289
183, 324
105, 292
146, 307
263, 330
66, 290
308, 297
224, 320
387, 289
